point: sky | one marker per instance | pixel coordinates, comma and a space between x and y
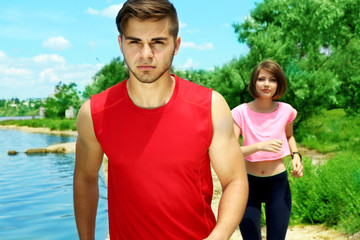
45, 42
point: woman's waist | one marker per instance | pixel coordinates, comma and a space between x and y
265, 168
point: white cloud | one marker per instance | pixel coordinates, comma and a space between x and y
92, 45
93, 11
189, 63
110, 11
37, 76
182, 25
48, 58
16, 71
227, 25
56, 43
2, 55
201, 47
48, 75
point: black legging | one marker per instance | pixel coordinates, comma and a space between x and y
274, 191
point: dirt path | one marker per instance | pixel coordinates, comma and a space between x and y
306, 232
299, 232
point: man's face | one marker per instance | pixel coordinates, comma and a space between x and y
148, 49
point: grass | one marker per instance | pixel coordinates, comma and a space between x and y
330, 131
330, 193
52, 124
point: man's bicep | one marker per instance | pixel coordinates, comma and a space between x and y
89, 153
225, 152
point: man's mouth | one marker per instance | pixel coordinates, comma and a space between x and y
146, 67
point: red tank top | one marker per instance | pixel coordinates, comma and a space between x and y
159, 179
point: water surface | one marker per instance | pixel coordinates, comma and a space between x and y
36, 190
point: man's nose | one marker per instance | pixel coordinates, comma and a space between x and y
146, 51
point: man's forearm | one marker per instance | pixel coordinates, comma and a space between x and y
231, 209
86, 197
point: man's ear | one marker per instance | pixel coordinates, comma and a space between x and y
177, 45
120, 44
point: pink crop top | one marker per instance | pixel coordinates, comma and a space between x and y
259, 127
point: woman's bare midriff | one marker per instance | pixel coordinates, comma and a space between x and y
265, 168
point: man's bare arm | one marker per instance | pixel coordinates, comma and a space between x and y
88, 160
228, 163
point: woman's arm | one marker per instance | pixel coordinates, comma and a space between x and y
296, 162
273, 145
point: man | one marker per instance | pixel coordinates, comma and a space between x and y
160, 134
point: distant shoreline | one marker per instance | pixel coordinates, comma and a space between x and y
39, 130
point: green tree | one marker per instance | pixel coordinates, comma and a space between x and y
307, 38
64, 97
111, 74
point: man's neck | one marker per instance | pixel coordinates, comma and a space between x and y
151, 95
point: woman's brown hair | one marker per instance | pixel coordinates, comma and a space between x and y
275, 69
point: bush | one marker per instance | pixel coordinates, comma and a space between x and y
329, 193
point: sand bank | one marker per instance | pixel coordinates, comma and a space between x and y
39, 130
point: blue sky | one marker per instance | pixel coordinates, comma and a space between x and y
45, 42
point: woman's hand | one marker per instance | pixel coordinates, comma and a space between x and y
273, 145
297, 167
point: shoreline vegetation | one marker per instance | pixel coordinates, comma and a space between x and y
323, 207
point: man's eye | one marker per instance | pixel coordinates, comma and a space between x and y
159, 42
134, 42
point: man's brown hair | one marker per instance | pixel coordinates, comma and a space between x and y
144, 10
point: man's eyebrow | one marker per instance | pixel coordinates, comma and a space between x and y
160, 39
132, 38
153, 39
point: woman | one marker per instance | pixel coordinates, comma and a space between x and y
267, 129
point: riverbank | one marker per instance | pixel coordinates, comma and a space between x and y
39, 130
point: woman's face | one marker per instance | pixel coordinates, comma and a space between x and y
266, 84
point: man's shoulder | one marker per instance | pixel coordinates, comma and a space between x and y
108, 96
193, 92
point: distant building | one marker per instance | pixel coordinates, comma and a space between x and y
70, 113
42, 112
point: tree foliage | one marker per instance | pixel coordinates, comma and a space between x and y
64, 97
317, 44
111, 74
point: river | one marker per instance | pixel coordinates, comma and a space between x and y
36, 199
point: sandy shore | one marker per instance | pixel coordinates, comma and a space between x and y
55, 148
39, 130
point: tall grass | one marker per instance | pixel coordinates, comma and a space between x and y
330, 131
52, 124
329, 193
